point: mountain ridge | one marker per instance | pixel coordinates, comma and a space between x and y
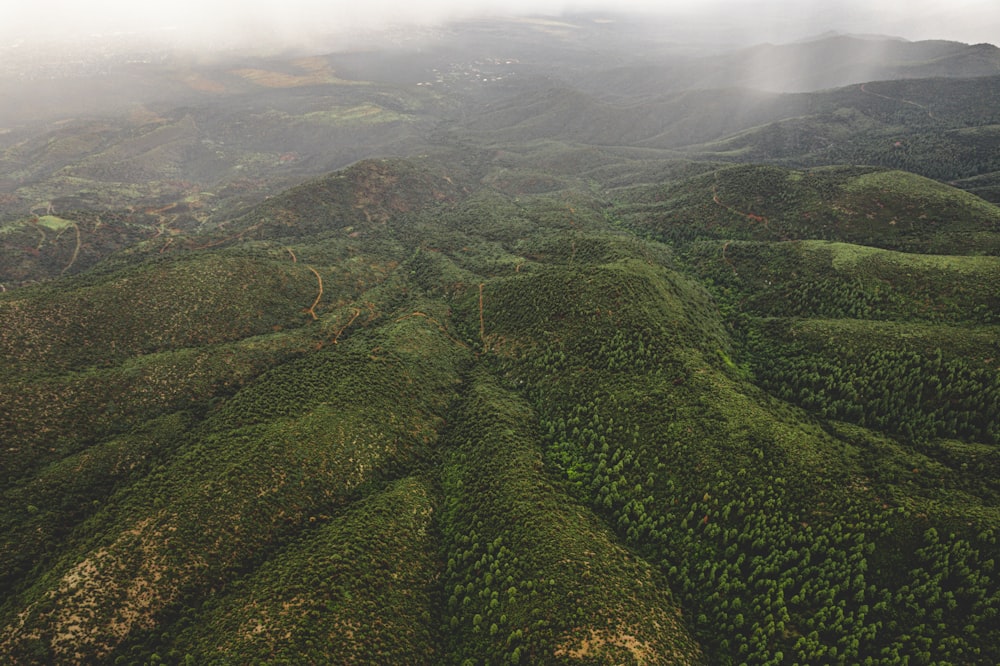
626, 385
538, 375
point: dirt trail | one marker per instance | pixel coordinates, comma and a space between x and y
76, 250
319, 279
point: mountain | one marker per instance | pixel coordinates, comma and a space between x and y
101, 154
831, 61
705, 377
85, 190
531, 433
863, 205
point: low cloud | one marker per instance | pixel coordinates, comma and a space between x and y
224, 23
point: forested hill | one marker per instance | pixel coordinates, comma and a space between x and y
439, 411
515, 343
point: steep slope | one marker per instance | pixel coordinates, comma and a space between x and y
533, 576
326, 595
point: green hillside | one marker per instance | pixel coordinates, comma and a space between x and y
527, 341
864, 205
736, 414
941, 128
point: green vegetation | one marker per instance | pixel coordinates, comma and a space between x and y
387, 419
358, 584
887, 209
531, 576
941, 128
699, 377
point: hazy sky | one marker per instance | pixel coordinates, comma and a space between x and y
222, 21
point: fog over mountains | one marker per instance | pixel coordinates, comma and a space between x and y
215, 24
150, 129
424, 335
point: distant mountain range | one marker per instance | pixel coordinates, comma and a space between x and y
165, 146
829, 62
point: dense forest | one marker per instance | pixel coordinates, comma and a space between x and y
525, 397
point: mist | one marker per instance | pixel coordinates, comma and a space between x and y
212, 25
